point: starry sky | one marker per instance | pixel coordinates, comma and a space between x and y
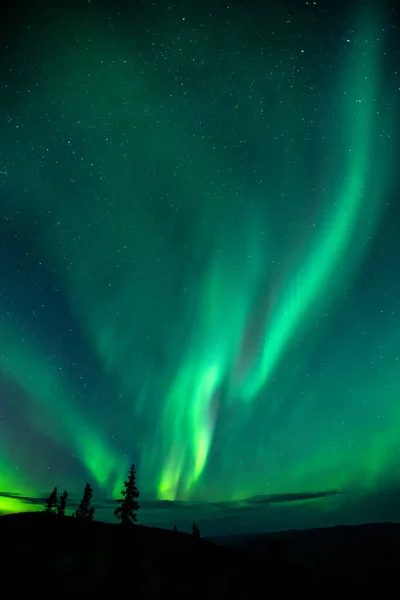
200, 260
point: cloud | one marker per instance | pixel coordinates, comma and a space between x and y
166, 504
39, 500
288, 497
181, 505
23, 499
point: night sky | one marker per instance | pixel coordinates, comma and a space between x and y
200, 260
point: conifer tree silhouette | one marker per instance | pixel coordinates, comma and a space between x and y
196, 530
52, 502
128, 505
62, 504
85, 511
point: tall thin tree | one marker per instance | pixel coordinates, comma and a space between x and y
196, 530
128, 505
52, 502
85, 509
62, 504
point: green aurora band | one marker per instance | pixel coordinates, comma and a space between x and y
262, 277
313, 281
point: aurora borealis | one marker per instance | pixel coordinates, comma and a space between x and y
200, 256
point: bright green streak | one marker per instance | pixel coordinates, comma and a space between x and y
322, 271
193, 419
188, 422
54, 413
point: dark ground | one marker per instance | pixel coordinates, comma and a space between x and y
361, 554
43, 554
47, 555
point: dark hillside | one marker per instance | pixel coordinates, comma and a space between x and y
362, 553
46, 554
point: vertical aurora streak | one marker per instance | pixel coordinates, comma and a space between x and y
362, 190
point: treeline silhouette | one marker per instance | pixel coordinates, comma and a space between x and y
125, 512
89, 556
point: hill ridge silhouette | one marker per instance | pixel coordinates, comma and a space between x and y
44, 553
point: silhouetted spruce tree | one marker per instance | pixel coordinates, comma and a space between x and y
196, 530
85, 510
128, 504
62, 504
175, 529
52, 502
